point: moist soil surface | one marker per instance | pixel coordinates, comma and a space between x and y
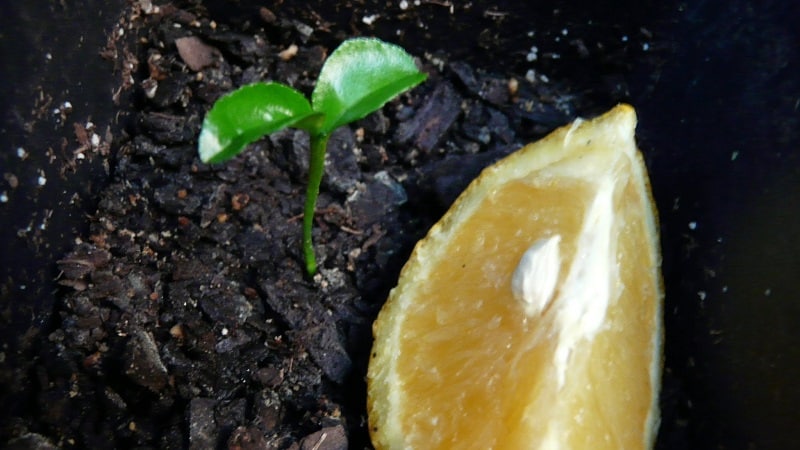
184, 317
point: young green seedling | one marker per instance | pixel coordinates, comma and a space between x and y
359, 77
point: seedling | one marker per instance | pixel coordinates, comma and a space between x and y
359, 77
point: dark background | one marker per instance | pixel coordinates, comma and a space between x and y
719, 110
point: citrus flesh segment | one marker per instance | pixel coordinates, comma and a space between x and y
565, 356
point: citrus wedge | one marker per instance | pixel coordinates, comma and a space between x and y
529, 317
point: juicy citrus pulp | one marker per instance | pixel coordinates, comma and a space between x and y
530, 315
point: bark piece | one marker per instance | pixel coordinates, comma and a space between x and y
427, 127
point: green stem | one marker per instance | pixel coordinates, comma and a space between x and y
316, 167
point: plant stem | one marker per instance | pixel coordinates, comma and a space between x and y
316, 167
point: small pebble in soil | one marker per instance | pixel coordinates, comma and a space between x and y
143, 364
202, 426
195, 53
11, 179
330, 438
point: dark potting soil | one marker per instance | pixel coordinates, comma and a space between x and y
185, 318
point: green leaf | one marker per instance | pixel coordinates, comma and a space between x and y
247, 114
359, 77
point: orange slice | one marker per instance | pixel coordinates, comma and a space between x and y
530, 315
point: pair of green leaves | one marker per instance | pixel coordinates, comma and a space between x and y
359, 77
